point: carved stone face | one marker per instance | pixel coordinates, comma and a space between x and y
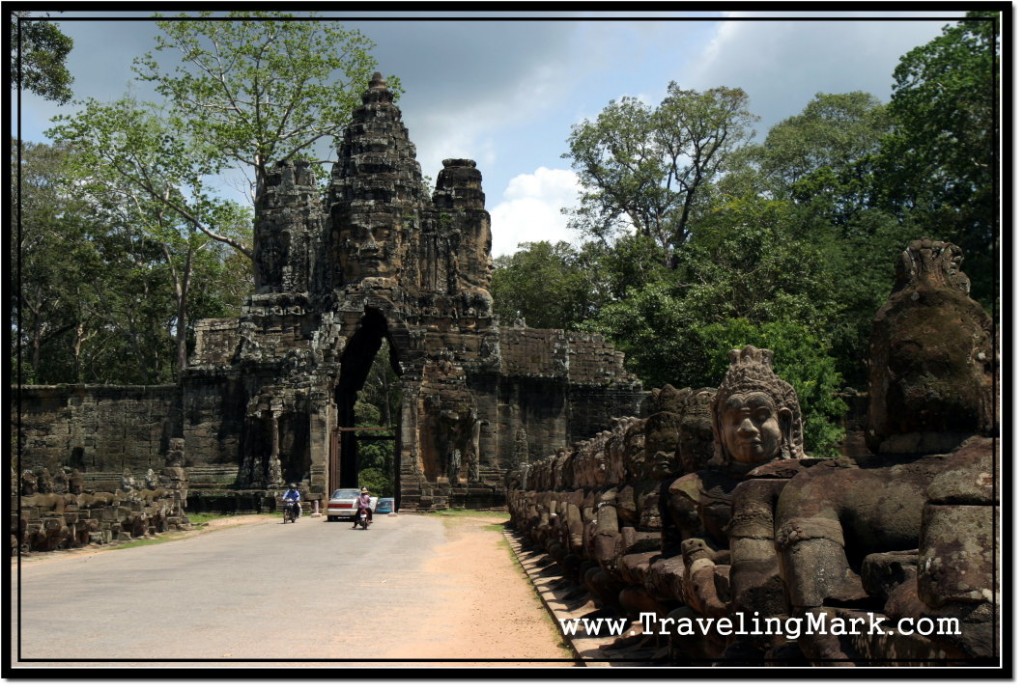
633, 442
751, 428
661, 435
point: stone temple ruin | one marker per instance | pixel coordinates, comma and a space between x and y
268, 397
686, 504
707, 507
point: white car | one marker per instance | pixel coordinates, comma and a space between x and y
343, 502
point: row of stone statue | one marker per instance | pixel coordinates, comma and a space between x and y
59, 511
709, 509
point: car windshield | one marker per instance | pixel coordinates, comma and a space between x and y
345, 494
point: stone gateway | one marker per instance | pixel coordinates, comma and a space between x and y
268, 397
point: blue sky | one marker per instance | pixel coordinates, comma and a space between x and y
506, 89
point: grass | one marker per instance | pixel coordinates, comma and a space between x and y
198, 519
143, 542
472, 513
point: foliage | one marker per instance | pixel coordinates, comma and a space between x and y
750, 270
814, 157
39, 53
613, 270
377, 405
939, 166
259, 87
645, 170
376, 481
151, 183
59, 292
541, 284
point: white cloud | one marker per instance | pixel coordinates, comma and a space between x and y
782, 65
530, 210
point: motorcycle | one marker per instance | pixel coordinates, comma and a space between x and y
363, 519
291, 510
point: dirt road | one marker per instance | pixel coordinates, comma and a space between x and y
413, 590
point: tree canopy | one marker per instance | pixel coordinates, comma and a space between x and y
39, 53
939, 166
699, 241
249, 89
254, 88
644, 169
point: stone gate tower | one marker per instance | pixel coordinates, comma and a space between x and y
268, 397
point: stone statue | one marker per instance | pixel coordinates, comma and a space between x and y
127, 482
724, 512
932, 357
754, 527
836, 519
44, 481
76, 482
175, 457
60, 480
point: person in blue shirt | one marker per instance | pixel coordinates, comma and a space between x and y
293, 494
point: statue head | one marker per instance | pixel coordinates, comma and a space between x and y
933, 357
696, 440
755, 415
661, 437
633, 457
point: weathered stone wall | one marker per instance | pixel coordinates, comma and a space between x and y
268, 397
94, 428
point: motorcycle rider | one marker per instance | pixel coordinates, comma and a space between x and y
293, 494
363, 503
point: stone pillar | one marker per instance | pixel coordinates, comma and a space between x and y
323, 418
274, 478
174, 476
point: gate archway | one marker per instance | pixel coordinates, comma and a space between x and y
357, 360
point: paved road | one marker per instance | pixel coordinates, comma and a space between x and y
255, 592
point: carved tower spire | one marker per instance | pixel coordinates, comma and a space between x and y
374, 194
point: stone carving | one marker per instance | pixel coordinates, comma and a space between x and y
875, 508
750, 525
60, 481
76, 482
931, 385
44, 481
376, 257
175, 453
29, 483
76, 517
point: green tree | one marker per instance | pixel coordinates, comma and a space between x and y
376, 481
646, 170
817, 156
939, 167
743, 278
377, 405
612, 270
541, 284
259, 87
89, 295
146, 178
823, 164
57, 279
39, 53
